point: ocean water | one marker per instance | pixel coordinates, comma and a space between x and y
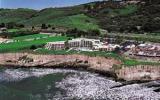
61, 84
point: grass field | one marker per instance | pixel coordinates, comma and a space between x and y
79, 21
12, 30
35, 36
22, 45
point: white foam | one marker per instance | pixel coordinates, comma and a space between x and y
89, 86
19, 74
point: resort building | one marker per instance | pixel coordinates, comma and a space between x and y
109, 47
82, 43
90, 44
59, 45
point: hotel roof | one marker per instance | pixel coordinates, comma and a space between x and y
79, 39
57, 42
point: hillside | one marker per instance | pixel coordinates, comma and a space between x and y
68, 17
45, 15
15, 15
109, 15
115, 16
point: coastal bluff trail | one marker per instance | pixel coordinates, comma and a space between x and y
98, 64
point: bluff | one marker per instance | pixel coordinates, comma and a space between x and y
102, 65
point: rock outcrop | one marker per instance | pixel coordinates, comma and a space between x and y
99, 63
140, 72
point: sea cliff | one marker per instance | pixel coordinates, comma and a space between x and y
103, 65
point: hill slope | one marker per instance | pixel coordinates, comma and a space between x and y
113, 16
15, 15
68, 17
108, 15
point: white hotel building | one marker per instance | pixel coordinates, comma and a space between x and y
59, 45
82, 44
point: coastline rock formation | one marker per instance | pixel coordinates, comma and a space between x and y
140, 72
101, 65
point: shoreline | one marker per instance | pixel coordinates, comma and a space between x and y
101, 65
109, 75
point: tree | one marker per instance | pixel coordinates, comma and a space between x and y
10, 25
20, 25
72, 32
33, 28
66, 44
33, 47
53, 28
94, 32
2, 25
119, 39
49, 25
87, 7
43, 26
116, 50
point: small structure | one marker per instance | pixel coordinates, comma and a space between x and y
59, 45
130, 47
147, 50
4, 29
4, 40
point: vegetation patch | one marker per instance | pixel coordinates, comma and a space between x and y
23, 45
13, 30
80, 21
129, 9
137, 37
132, 62
34, 37
15, 15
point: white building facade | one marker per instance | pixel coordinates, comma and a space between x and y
59, 45
82, 43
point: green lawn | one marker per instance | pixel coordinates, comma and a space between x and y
133, 62
22, 45
35, 36
12, 30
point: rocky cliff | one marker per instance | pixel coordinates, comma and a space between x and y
140, 72
99, 64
